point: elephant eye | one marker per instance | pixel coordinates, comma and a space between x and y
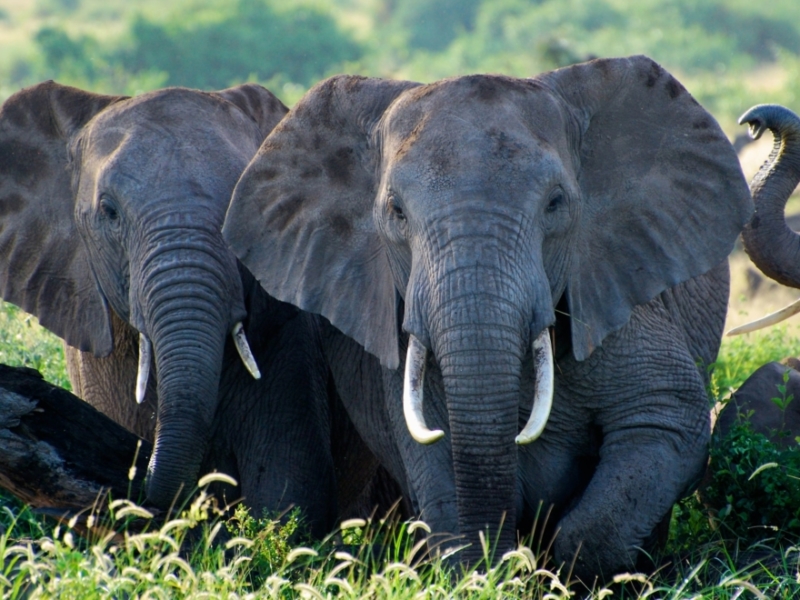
108, 209
556, 199
396, 209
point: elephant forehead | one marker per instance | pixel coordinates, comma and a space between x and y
151, 155
477, 156
176, 118
476, 120
169, 107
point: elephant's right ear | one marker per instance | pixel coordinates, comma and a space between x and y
43, 264
301, 215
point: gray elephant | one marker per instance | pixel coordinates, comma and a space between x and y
453, 224
111, 215
755, 402
768, 239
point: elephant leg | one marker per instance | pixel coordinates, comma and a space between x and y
109, 383
429, 467
649, 403
279, 427
359, 384
551, 473
641, 473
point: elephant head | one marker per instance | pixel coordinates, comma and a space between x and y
481, 202
114, 202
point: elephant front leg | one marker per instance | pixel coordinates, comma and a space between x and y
279, 426
429, 467
643, 470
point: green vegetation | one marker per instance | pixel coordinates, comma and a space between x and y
731, 54
23, 343
755, 486
712, 552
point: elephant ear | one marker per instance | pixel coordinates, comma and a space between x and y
44, 267
257, 102
301, 215
664, 197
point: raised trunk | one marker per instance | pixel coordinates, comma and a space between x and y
187, 314
768, 240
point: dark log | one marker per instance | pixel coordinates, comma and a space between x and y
59, 454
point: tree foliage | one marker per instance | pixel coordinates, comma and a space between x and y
718, 48
247, 39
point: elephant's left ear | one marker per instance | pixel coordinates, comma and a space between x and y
258, 103
664, 197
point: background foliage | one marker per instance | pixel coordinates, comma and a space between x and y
730, 53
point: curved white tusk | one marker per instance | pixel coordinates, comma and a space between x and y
771, 319
243, 348
413, 385
543, 397
145, 357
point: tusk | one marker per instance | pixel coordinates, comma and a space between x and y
543, 398
771, 319
145, 357
413, 385
243, 348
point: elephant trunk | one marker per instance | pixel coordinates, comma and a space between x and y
481, 363
187, 314
768, 240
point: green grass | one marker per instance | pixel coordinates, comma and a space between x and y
24, 343
202, 554
740, 356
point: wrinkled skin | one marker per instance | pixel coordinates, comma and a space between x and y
464, 212
771, 244
753, 402
117, 203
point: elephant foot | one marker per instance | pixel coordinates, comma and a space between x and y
592, 555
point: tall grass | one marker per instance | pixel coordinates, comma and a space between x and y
123, 552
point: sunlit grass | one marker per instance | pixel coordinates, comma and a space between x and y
200, 555
740, 356
204, 554
24, 343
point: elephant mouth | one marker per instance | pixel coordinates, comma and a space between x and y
414, 384
146, 354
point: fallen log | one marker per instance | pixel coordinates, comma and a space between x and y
59, 454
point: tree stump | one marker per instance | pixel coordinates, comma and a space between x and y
59, 454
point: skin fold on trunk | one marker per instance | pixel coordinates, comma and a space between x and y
187, 317
481, 364
768, 240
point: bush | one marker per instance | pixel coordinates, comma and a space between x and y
754, 486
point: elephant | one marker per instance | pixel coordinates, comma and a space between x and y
462, 223
755, 402
768, 239
112, 210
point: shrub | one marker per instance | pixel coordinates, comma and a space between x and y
754, 486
